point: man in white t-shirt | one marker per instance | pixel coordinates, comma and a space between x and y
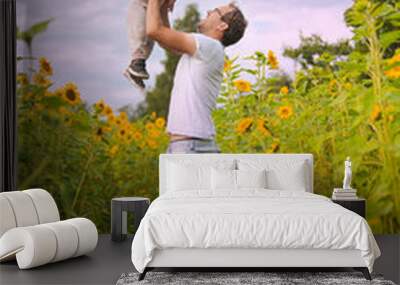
199, 73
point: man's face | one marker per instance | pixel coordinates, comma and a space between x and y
213, 19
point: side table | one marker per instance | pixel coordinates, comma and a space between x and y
119, 208
357, 205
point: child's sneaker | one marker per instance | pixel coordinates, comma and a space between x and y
137, 68
135, 81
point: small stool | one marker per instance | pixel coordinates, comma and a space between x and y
119, 208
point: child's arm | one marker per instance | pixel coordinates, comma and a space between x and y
165, 36
166, 23
171, 4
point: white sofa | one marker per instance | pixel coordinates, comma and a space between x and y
31, 231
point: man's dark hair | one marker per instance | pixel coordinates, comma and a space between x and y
236, 26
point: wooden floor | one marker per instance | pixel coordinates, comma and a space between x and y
110, 260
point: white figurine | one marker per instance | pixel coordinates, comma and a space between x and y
347, 174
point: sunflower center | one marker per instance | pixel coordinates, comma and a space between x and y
46, 67
70, 94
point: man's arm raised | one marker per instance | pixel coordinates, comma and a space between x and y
164, 35
165, 20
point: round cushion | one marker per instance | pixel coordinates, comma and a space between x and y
23, 208
87, 234
33, 246
67, 240
7, 220
45, 205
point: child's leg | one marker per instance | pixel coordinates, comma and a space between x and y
140, 45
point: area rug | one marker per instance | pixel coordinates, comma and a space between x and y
243, 278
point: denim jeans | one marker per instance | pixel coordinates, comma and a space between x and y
193, 146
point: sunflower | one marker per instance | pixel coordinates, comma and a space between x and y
107, 111
137, 136
285, 112
261, 127
284, 90
122, 132
272, 60
394, 59
127, 126
376, 113
160, 123
152, 143
123, 116
227, 65
71, 94
118, 121
111, 118
393, 73
100, 105
244, 125
41, 80
45, 67
242, 85
332, 86
22, 79
347, 86
100, 133
274, 147
129, 137
150, 126
153, 115
154, 133
113, 150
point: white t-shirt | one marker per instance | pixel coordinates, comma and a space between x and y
197, 84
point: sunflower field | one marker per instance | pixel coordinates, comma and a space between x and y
335, 109
86, 155
83, 155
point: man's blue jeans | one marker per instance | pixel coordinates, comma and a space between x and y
193, 146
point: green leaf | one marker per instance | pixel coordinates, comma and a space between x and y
53, 102
39, 27
389, 38
28, 35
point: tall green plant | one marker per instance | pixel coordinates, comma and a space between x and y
28, 36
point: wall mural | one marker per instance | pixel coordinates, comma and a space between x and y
321, 78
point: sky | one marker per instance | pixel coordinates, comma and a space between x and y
87, 40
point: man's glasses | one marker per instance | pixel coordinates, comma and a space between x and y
216, 10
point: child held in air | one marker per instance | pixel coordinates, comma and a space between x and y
140, 45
